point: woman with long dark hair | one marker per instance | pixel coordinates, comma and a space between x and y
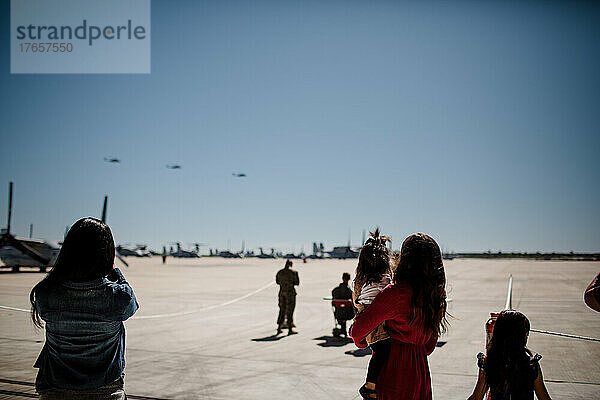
414, 310
83, 301
510, 370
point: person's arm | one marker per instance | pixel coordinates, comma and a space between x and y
591, 294
430, 345
384, 307
127, 302
113, 275
296, 279
480, 387
540, 389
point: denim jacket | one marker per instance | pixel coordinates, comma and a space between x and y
85, 334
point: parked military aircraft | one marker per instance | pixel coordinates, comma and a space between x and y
180, 253
263, 255
229, 254
18, 252
318, 251
343, 252
293, 256
140, 250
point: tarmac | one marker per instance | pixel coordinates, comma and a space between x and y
206, 330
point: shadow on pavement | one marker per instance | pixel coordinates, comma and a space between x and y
271, 338
332, 341
360, 352
368, 351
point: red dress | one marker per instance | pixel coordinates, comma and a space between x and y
405, 376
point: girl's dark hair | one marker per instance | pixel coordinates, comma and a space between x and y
373, 260
87, 253
421, 266
507, 364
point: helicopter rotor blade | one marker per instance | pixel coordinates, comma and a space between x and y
10, 199
104, 209
121, 259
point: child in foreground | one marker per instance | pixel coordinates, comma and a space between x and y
83, 301
509, 370
373, 274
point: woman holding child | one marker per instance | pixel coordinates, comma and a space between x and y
413, 308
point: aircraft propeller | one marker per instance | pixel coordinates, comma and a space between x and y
104, 208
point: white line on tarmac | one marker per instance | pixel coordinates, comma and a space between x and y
14, 309
178, 313
205, 308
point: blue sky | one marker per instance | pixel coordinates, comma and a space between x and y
476, 122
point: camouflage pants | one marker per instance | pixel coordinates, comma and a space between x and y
287, 304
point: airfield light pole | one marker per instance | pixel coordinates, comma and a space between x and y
10, 193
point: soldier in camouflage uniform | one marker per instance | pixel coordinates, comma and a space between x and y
287, 278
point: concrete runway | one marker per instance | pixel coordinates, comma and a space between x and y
205, 330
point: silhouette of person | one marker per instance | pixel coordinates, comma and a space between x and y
287, 278
343, 292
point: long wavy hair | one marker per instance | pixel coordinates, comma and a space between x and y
507, 362
373, 259
87, 253
421, 266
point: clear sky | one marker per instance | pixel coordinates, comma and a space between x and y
476, 122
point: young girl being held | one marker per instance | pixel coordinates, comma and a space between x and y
373, 274
509, 370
